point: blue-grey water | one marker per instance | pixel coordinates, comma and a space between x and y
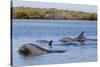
29, 31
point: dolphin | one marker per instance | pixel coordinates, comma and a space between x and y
34, 50
79, 39
42, 41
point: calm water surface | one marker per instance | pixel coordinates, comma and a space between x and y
29, 31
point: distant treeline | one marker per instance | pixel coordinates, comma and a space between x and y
50, 13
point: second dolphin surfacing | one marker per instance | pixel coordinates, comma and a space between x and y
79, 39
34, 50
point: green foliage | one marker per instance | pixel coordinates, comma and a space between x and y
51, 13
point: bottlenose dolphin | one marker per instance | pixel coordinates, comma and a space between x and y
43, 41
80, 39
34, 50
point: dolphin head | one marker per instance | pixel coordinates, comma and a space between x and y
24, 51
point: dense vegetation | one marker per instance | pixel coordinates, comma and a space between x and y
51, 13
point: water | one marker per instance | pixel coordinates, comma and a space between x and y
29, 31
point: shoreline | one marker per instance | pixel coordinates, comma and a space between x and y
54, 19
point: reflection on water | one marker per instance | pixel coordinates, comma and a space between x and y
29, 31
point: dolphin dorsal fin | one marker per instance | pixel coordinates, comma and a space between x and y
80, 37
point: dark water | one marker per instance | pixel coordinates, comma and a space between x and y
26, 31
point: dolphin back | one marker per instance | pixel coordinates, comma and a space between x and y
81, 37
33, 49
